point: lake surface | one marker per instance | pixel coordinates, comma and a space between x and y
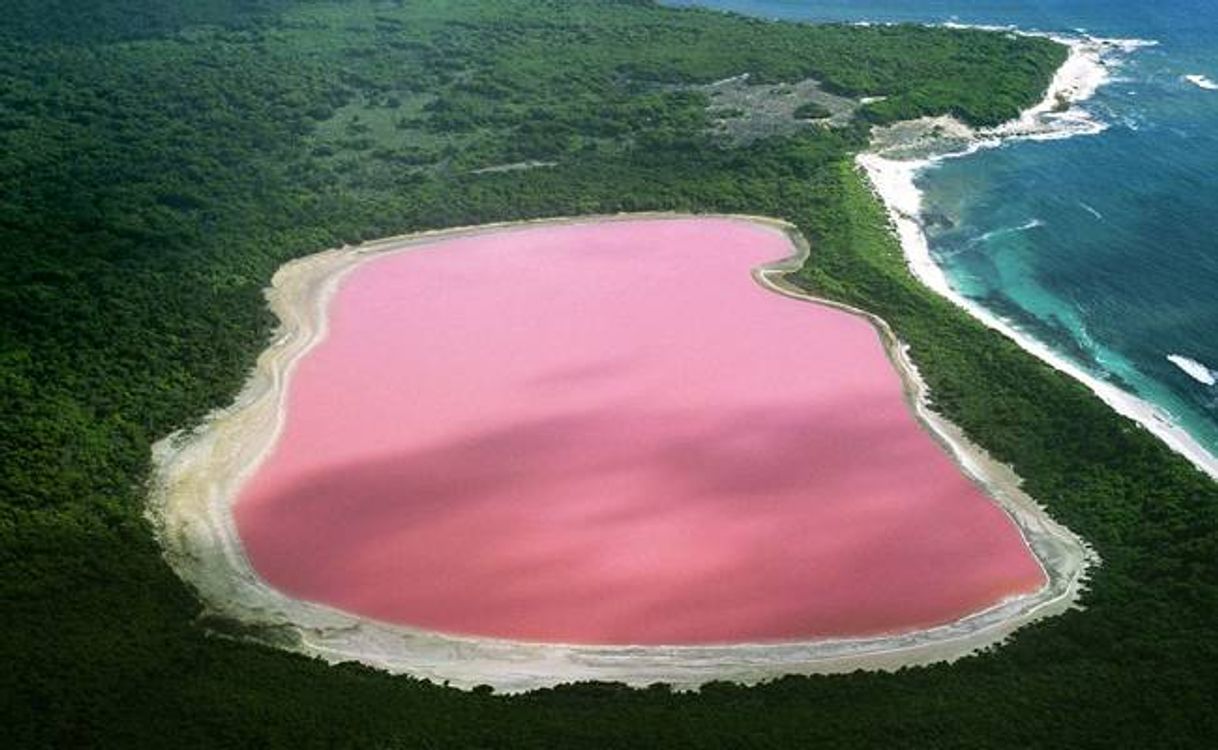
611, 433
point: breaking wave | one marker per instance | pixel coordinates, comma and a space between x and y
1202, 82
1194, 369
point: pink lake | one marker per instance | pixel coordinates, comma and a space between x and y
610, 433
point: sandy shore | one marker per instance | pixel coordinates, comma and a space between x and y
198, 473
901, 152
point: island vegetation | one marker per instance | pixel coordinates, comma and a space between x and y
160, 159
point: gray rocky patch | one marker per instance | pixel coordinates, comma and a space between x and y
743, 112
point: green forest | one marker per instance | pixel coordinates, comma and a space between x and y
159, 159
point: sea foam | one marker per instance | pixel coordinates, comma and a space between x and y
1091, 210
993, 233
1194, 369
1201, 81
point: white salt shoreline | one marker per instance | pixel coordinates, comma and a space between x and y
894, 182
198, 474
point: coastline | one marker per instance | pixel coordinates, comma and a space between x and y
197, 475
892, 175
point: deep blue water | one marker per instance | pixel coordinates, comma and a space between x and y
1104, 246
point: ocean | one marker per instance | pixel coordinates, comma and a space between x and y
1100, 248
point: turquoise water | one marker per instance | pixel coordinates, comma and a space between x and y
1104, 246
